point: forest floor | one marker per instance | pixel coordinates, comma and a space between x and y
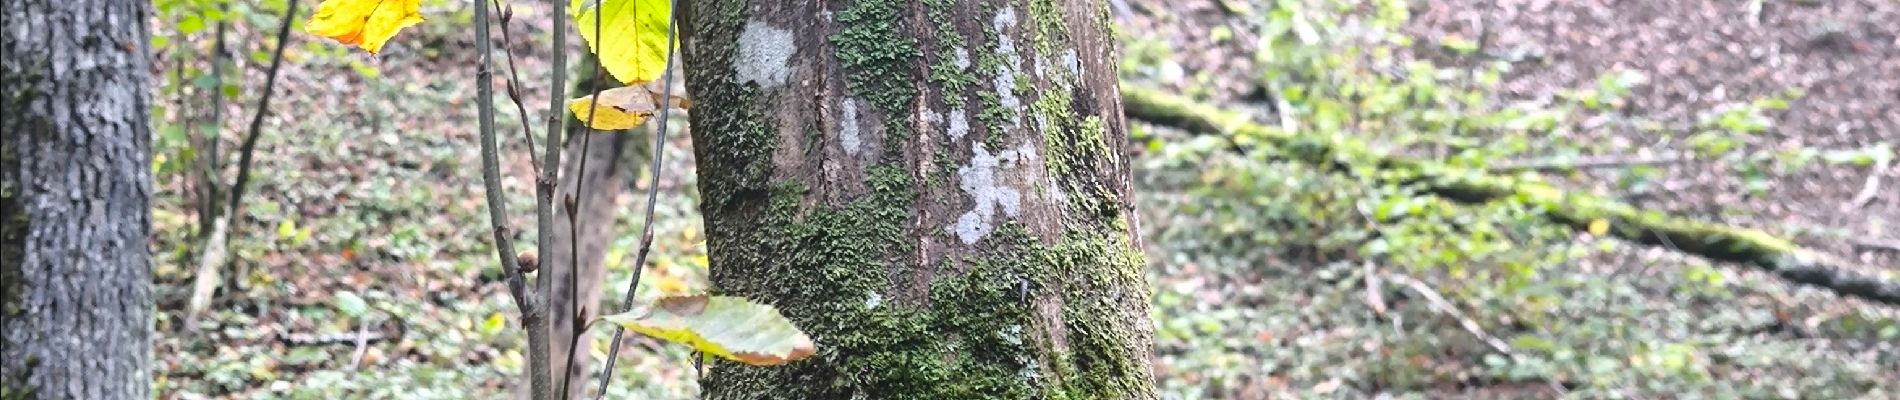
366, 220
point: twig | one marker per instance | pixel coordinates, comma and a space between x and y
1585, 163
544, 190
573, 208
1437, 302
531, 317
1375, 293
362, 345
1868, 189
653, 196
514, 82
248, 149
208, 162
572, 205
1877, 244
362, 335
205, 281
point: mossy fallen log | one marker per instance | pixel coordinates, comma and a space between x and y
1776, 255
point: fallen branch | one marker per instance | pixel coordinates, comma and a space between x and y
364, 335
1877, 244
1585, 163
1713, 241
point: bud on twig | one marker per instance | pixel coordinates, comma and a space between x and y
529, 262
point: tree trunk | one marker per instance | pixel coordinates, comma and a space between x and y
74, 200
935, 190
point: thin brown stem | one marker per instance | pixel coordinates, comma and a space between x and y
653, 195
514, 83
531, 315
248, 149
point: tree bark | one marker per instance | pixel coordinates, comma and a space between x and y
74, 199
936, 191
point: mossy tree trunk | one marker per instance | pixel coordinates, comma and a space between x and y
935, 190
75, 183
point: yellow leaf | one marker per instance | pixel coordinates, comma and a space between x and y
635, 30
674, 286
723, 326
622, 107
1599, 227
365, 23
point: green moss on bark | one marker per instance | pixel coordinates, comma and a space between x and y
975, 335
945, 73
879, 60
744, 132
847, 266
1051, 31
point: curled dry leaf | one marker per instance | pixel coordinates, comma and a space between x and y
624, 107
723, 326
365, 23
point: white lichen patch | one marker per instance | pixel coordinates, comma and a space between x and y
1006, 94
1004, 19
962, 58
848, 127
987, 188
873, 300
1005, 82
959, 123
1071, 63
763, 54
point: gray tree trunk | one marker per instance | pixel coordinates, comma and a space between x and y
935, 190
74, 196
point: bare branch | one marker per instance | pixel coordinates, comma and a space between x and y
653, 196
514, 83
531, 315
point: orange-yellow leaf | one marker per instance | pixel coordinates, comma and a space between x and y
623, 107
364, 23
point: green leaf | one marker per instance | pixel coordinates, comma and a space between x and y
349, 304
633, 44
286, 228
729, 327
191, 24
